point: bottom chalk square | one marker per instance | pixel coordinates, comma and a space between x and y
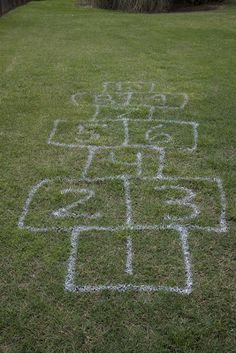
138, 260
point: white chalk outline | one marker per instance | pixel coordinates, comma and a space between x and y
125, 142
126, 179
70, 285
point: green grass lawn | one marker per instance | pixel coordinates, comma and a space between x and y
49, 50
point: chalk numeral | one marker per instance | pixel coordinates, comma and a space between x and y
66, 211
186, 201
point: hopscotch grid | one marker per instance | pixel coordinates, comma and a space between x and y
135, 88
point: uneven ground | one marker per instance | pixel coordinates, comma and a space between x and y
48, 51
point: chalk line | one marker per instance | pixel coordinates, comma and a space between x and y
129, 256
69, 281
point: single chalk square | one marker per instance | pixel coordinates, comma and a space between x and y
196, 203
170, 134
159, 260
84, 134
129, 161
62, 204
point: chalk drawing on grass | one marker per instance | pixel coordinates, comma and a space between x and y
169, 134
71, 286
129, 99
77, 225
130, 161
187, 200
65, 212
122, 188
124, 191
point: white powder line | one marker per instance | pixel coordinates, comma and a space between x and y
174, 178
129, 256
107, 120
187, 259
53, 132
161, 164
91, 152
97, 147
129, 96
123, 177
150, 115
137, 227
223, 223
195, 134
185, 102
29, 200
97, 111
127, 287
128, 202
69, 281
126, 132
136, 107
139, 164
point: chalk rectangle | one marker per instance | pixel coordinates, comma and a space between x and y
136, 161
195, 203
63, 204
169, 134
84, 134
161, 262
